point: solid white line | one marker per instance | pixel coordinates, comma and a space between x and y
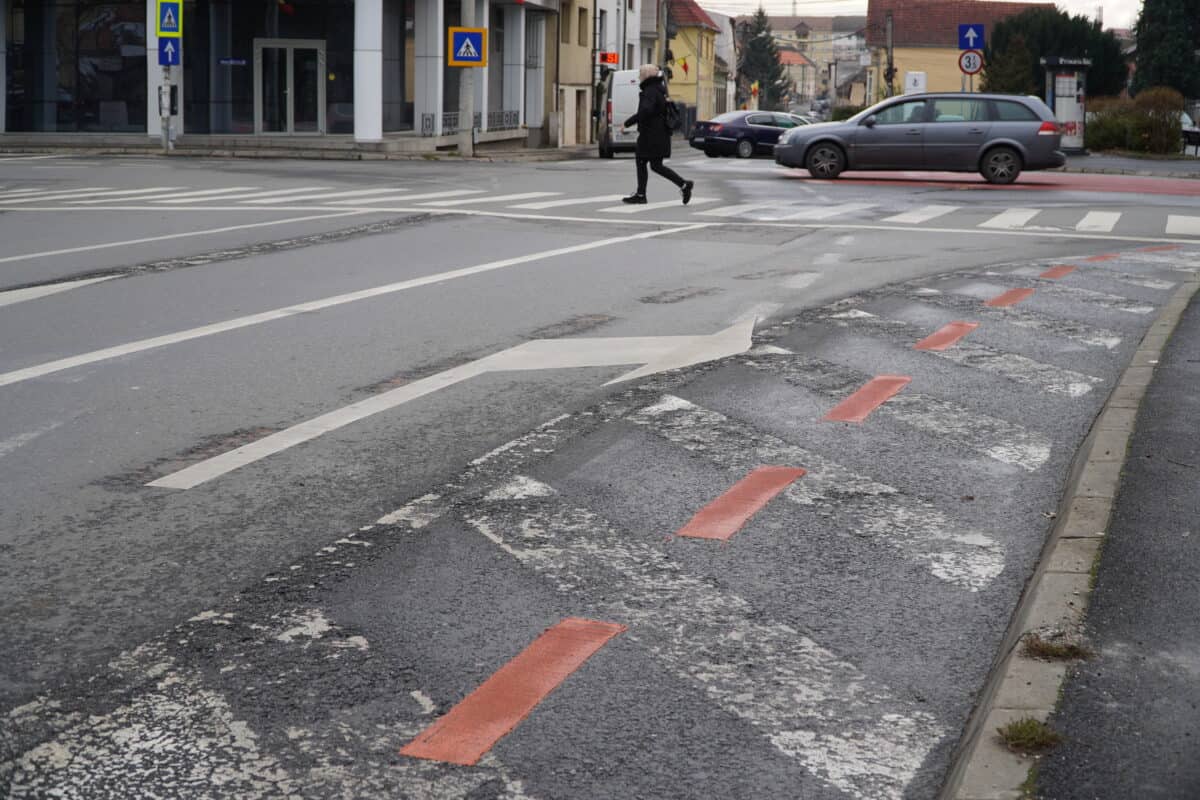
413, 197
919, 215
500, 198
827, 212
571, 201
1099, 221
315, 305
212, 193
167, 237
1185, 226
33, 292
274, 193
333, 195
636, 209
1011, 218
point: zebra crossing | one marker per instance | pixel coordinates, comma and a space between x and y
781, 210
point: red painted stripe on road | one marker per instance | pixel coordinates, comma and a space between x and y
945, 336
1160, 248
875, 393
490, 712
1058, 272
1104, 257
726, 515
1009, 298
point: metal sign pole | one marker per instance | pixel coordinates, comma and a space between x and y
164, 109
466, 93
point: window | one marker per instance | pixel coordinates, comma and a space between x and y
909, 112
583, 27
761, 119
603, 19
1008, 111
628, 56
564, 22
785, 121
959, 109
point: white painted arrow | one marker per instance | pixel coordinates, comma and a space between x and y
654, 353
971, 36
169, 47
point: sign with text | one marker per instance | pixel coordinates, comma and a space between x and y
467, 47
610, 59
170, 19
970, 62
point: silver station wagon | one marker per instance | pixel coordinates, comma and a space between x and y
997, 135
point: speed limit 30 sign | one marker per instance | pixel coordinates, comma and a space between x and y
970, 62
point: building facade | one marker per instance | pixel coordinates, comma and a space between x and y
694, 48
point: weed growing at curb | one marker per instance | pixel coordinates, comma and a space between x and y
1028, 736
1055, 649
1028, 787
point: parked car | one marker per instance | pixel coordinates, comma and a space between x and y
743, 133
997, 135
621, 91
1191, 133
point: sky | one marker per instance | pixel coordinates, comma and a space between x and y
1117, 13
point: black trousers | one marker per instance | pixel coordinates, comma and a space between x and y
658, 166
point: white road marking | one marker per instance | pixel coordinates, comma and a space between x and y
1098, 221
499, 198
570, 201
1023, 317
1011, 218
802, 280
52, 195
968, 559
25, 192
145, 196
635, 209
427, 705
21, 439
4, 158
240, 198
1119, 277
87, 248
922, 214
33, 292
1181, 225
95, 356
1091, 296
825, 212
736, 211
409, 198
212, 194
391, 190
845, 728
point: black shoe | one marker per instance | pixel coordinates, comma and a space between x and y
634, 199
687, 191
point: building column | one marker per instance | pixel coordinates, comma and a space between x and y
483, 19
428, 53
368, 70
514, 61
3, 62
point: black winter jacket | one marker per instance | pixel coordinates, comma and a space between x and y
654, 137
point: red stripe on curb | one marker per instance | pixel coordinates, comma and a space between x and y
1160, 248
726, 515
875, 393
1104, 257
490, 712
1009, 298
945, 336
1058, 272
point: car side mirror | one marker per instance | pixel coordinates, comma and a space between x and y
869, 121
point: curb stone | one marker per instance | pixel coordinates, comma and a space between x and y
1057, 595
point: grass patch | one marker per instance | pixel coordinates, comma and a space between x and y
1060, 649
1028, 787
1027, 736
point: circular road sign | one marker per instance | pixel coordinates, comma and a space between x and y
970, 62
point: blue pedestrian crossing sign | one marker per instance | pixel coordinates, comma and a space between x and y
170, 19
970, 37
169, 51
467, 47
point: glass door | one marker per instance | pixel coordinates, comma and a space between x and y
289, 90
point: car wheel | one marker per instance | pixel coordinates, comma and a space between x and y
712, 153
745, 148
1001, 165
825, 160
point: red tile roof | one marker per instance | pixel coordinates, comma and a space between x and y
686, 13
934, 23
790, 58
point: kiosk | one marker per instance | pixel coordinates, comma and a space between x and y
1065, 82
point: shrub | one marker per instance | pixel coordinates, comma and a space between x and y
1148, 124
1161, 107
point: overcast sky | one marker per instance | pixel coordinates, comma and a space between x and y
1117, 13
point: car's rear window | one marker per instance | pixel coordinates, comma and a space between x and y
1008, 111
728, 116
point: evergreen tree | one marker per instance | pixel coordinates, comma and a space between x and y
759, 61
1011, 70
1168, 37
1048, 32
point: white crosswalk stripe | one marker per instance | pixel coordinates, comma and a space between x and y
212, 194
822, 212
676, 203
27, 192
1091, 296
1099, 221
323, 196
59, 196
1180, 225
737, 210
920, 215
1011, 218
143, 195
1023, 317
408, 198
274, 195
500, 198
570, 201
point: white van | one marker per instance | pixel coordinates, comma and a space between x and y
621, 93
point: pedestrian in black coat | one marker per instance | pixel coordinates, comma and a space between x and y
654, 136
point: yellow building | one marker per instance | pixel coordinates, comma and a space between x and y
574, 72
695, 51
925, 40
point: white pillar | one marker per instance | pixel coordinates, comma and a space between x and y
428, 49
153, 72
368, 70
3, 61
514, 61
483, 19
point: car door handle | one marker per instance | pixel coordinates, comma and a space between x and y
912, 133
975, 130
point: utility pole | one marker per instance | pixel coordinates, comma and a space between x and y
466, 92
890, 73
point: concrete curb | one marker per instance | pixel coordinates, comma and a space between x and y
1057, 595
1141, 173
533, 156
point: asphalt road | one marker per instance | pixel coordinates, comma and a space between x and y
252, 540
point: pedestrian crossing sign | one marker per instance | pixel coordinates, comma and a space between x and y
467, 47
170, 19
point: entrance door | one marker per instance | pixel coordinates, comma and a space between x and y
289, 93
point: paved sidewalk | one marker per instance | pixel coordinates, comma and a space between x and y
1125, 165
1130, 715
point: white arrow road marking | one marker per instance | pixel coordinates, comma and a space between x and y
922, 214
1187, 226
657, 353
813, 706
915, 528
33, 292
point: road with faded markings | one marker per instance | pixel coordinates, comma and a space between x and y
440, 480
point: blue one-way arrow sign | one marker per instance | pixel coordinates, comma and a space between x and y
168, 52
970, 37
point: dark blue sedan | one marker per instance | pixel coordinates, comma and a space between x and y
743, 133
